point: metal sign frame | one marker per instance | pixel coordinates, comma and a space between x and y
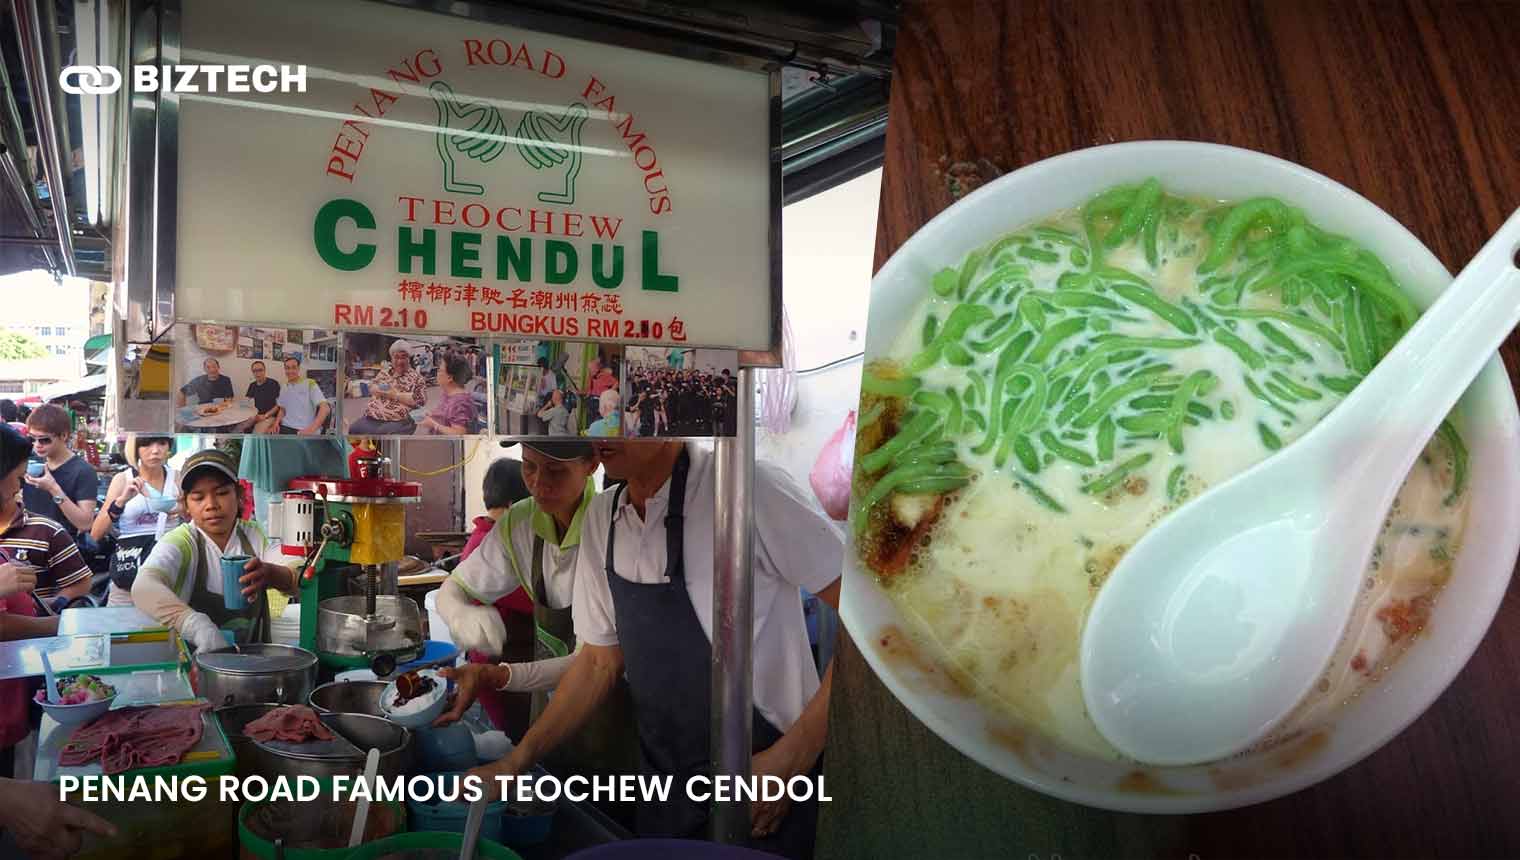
153, 152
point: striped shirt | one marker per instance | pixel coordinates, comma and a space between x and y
43, 545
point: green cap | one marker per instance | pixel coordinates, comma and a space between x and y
211, 458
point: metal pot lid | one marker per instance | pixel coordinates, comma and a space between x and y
256, 659
337, 749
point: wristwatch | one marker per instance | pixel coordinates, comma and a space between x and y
60, 499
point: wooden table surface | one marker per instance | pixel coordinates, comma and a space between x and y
1416, 105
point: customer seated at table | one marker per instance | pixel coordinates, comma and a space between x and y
454, 415
303, 408
41, 569
180, 584
142, 504
265, 394
395, 392
207, 387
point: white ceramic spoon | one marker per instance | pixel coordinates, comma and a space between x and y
1217, 623
49, 679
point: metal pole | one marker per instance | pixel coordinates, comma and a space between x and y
40, 76
733, 611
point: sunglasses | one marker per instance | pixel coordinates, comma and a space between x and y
42, 440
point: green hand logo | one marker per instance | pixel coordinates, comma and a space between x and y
547, 152
545, 140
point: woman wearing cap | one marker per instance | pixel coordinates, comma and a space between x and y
142, 504
535, 547
397, 390
180, 584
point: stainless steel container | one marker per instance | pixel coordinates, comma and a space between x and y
344, 630
349, 697
253, 674
355, 735
233, 718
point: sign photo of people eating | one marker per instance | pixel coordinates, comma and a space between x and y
414, 386
674, 392
253, 379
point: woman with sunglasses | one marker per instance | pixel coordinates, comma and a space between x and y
141, 505
65, 492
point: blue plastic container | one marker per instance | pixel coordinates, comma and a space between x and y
435, 654
447, 749
451, 817
232, 588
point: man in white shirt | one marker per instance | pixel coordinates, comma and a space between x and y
302, 406
643, 606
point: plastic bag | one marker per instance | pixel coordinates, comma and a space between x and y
832, 471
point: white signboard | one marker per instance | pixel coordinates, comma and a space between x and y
451, 176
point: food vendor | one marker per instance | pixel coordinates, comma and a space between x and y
180, 583
534, 547
643, 608
142, 505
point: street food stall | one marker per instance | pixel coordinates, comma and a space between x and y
464, 192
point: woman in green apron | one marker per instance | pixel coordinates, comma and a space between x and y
534, 547
180, 583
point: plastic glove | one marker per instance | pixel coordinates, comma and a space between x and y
473, 627
200, 631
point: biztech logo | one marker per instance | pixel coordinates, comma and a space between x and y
104, 80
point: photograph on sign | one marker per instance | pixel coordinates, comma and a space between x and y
414, 385
555, 388
453, 177
142, 389
680, 392
232, 380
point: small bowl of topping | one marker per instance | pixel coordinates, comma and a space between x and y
415, 699
81, 699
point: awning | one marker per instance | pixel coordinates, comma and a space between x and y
64, 389
97, 343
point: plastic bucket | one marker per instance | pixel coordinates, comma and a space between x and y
668, 849
318, 830
450, 817
421, 845
438, 630
447, 749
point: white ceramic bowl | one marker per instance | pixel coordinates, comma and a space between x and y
438, 699
77, 715
1462, 614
